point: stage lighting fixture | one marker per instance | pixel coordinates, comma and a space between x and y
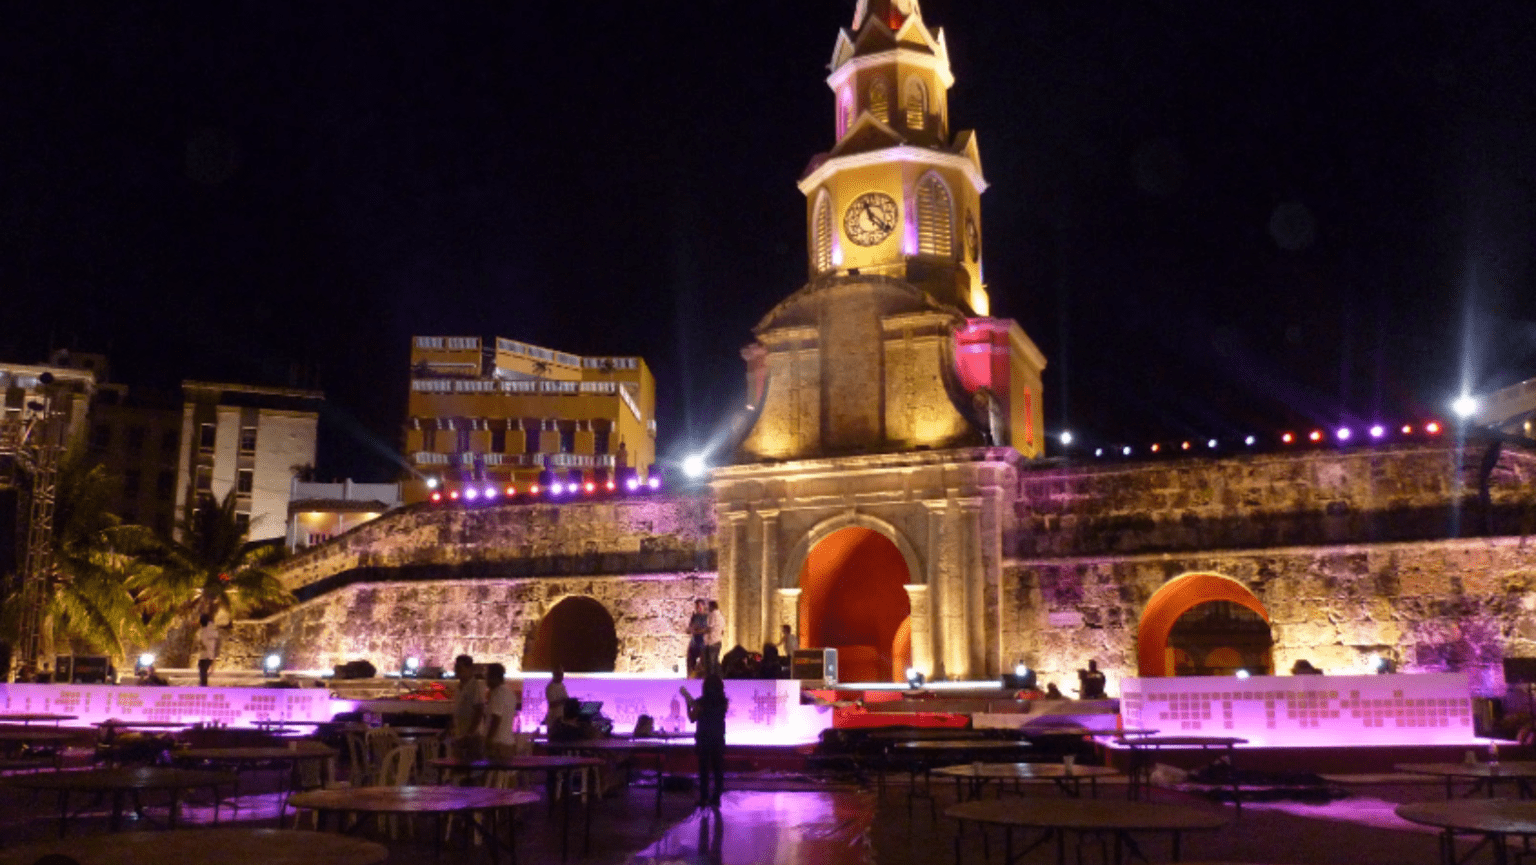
654, 483
437, 497
1066, 438
1343, 434
272, 664
915, 679
431, 483
410, 667
1378, 431
1464, 406
1242, 674
1249, 441
694, 466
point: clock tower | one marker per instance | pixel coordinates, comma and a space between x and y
889, 346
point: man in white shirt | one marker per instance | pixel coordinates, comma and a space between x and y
555, 697
468, 711
501, 705
208, 648
714, 634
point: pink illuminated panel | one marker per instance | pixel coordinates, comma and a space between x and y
1403, 709
762, 711
234, 707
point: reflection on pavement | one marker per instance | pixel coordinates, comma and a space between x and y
771, 827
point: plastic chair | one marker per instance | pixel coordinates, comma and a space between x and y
359, 759
395, 771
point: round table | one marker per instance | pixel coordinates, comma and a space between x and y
207, 847
553, 766
120, 782
1494, 819
1483, 775
1140, 763
654, 748
1057, 817
243, 758
1071, 782
29, 717
469, 802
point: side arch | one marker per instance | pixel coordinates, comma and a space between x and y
1174, 599
789, 567
577, 633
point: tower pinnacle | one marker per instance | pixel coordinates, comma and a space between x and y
893, 12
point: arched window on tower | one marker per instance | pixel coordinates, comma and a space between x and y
880, 101
935, 217
822, 231
916, 102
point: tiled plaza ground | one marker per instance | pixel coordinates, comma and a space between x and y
787, 819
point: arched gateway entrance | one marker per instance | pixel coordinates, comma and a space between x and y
853, 598
576, 634
1203, 624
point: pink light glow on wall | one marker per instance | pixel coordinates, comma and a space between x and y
762, 711
234, 707
1307, 711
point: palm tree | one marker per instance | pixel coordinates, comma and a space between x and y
209, 569
89, 605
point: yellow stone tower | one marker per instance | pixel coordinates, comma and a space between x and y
888, 347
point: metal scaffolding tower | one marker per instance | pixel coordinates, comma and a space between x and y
30, 443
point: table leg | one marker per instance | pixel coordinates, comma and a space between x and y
176, 804
959, 830
1500, 850
1176, 837
565, 818
586, 849
1237, 795
63, 811
117, 810
661, 779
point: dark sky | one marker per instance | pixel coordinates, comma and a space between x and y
1213, 217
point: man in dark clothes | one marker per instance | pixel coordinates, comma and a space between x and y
708, 713
1090, 682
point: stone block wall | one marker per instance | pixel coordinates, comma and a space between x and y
612, 536
1391, 493
492, 619
1450, 605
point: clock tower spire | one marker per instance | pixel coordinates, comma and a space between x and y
889, 346
898, 194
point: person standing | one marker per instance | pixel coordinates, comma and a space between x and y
697, 624
468, 712
708, 715
788, 643
554, 697
714, 635
208, 642
1090, 682
500, 712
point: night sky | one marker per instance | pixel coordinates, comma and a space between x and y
1214, 217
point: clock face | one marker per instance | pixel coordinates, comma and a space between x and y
972, 237
870, 218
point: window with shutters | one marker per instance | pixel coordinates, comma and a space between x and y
823, 228
880, 101
935, 218
916, 102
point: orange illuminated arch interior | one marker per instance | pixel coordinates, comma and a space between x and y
1175, 598
577, 634
853, 598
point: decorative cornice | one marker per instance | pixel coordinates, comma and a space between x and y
904, 153
906, 56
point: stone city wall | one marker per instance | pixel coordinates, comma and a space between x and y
1453, 605
1391, 493
492, 619
430, 542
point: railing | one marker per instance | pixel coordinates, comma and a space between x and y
429, 458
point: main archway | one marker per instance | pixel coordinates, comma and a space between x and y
853, 598
576, 634
1177, 597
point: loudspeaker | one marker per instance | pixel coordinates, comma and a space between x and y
1520, 671
815, 665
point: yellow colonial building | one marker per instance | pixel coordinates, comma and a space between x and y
508, 413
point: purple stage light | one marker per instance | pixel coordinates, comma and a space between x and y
654, 483
1378, 431
1343, 433
556, 489
471, 494
490, 492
